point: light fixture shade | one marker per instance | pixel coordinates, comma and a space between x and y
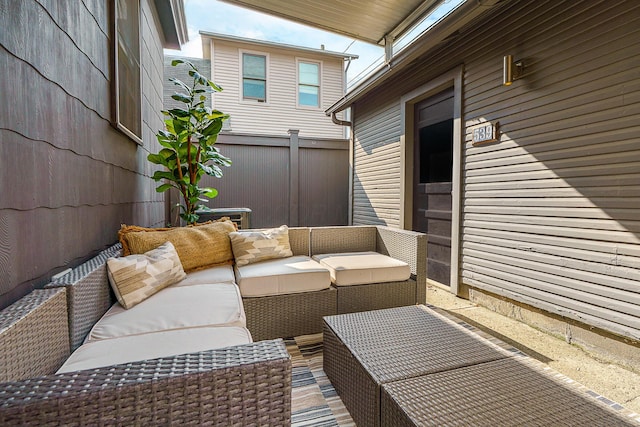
507, 70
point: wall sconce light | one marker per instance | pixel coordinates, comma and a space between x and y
511, 70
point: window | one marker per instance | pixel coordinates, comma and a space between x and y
127, 85
254, 77
309, 84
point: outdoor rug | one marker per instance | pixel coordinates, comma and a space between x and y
314, 400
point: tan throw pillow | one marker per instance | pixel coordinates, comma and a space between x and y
253, 246
135, 278
198, 247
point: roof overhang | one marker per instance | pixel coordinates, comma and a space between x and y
173, 22
439, 33
371, 21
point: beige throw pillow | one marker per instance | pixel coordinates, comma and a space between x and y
135, 278
253, 246
200, 246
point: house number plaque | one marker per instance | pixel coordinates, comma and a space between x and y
486, 132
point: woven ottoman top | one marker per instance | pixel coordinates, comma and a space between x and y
405, 342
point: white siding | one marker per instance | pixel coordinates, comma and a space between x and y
280, 113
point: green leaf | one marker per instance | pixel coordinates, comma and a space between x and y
156, 159
179, 83
158, 175
178, 112
211, 170
176, 62
198, 77
213, 129
164, 187
214, 86
182, 97
209, 192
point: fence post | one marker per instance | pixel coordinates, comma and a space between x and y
294, 177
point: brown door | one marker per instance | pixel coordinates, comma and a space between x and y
433, 162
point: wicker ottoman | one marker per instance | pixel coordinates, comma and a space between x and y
364, 350
504, 392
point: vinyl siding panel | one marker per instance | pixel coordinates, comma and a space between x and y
280, 113
551, 213
376, 194
69, 178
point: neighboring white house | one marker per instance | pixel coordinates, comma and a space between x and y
270, 88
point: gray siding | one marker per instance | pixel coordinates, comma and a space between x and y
551, 213
68, 179
376, 172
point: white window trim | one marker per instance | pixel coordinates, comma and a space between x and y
241, 97
116, 82
320, 67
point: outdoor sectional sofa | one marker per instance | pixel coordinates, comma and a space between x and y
237, 373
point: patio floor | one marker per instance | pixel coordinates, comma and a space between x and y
604, 377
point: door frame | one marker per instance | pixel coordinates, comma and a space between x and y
452, 78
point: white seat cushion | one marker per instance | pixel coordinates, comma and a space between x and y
153, 345
282, 276
218, 274
358, 268
179, 307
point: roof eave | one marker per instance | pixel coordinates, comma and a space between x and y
429, 40
173, 22
217, 36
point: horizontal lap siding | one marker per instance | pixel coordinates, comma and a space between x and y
551, 213
376, 174
280, 113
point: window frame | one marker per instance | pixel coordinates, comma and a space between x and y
298, 83
117, 95
252, 100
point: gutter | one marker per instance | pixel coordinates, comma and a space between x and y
335, 119
429, 40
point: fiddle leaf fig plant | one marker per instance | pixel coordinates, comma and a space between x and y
188, 150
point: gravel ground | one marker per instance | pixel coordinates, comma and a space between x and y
603, 377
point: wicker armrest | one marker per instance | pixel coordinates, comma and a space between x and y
410, 247
241, 385
34, 335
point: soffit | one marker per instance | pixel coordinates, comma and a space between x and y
366, 20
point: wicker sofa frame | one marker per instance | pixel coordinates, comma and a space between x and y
243, 385
300, 314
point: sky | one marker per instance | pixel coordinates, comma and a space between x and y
218, 17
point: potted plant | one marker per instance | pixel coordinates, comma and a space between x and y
188, 150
